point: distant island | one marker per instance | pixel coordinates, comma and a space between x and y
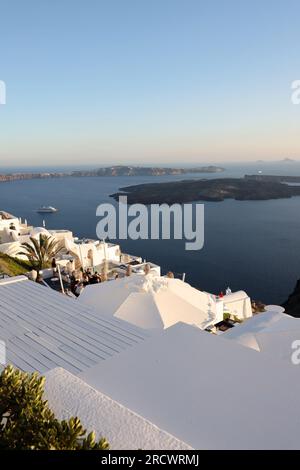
274, 178
283, 160
119, 170
242, 189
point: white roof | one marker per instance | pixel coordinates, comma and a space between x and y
6, 216
234, 296
238, 304
244, 333
205, 390
151, 302
69, 396
44, 329
271, 332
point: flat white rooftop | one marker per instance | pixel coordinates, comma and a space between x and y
69, 396
207, 391
43, 329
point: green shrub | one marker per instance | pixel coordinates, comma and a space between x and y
13, 266
26, 421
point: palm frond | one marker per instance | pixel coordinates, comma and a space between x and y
40, 251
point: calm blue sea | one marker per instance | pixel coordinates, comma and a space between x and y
252, 245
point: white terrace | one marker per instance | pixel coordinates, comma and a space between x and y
43, 329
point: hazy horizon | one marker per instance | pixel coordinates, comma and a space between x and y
148, 82
90, 166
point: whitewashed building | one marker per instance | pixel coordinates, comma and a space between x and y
86, 252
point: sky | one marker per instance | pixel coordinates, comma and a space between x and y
140, 81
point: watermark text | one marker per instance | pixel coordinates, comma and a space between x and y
157, 221
2, 92
295, 96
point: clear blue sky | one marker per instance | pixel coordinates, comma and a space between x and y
148, 81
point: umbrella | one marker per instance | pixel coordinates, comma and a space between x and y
152, 302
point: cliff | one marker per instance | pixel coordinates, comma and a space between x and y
292, 304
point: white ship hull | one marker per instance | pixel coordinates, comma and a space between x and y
46, 210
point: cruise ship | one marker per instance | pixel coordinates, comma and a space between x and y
47, 209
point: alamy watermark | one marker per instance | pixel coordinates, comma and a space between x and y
156, 221
295, 357
2, 92
2, 353
295, 96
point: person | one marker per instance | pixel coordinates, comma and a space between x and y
95, 278
89, 275
54, 267
70, 267
73, 281
78, 289
65, 275
85, 279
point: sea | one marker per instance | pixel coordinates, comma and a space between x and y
249, 245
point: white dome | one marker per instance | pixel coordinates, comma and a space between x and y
37, 231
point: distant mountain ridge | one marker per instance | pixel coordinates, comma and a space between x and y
118, 170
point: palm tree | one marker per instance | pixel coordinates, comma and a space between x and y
40, 251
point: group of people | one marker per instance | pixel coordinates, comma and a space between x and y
79, 281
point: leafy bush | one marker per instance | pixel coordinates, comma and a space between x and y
26, 421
